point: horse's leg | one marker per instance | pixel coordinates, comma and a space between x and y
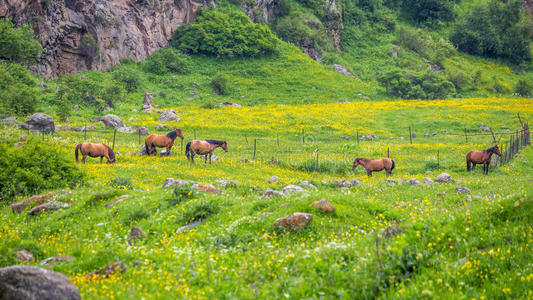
192, 157
210, 153
473, 166
83, 159
369, 173
205, 157
101, 159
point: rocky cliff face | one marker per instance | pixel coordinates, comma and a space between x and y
78, 35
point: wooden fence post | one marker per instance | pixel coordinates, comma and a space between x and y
303, 136
316, 166
438, 159
410, 136
255, 147
85, 131
246, 138
114, 136
194, 133
388, 156
466, 136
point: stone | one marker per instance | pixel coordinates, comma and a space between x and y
18, 144
10, 121
342, 70
273, 193
391, 231
294, 221
214, 158
126, 129
29, 282
161, 127
226, 183
428, 180
229, 104
292, 189
194, 83
24, 256
117, 200
194, 94
56, 259
190, 226
442, 195
147, 102
444, 178
444, 131
434, 134
206, 188
65, 119
136, 233
40, 122
23, 138
142, 130
65, 128
355, 182
413, 134
36, 199
54, 205
76, 107
426, 134
244, 160
429, 172
462, 190
116, 267
413, 181
323, 205
307, 184
335, 182
168, 115
483, 127
112, 121
273, 179
170, 182
164, 152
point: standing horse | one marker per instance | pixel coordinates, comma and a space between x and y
203, 148
375, 165
156, 140
95, 150
481, 157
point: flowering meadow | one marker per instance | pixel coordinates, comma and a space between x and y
475, 245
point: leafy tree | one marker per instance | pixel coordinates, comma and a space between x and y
18, 94
429, 10
417, 85
167, 60
496, 30
18, 44
224, 33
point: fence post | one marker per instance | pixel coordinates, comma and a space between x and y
410, 136
316, 166
255, 147
303, 136
246, 138
466, 136
438, 159
139, 132
85, 131
388, 156
181, 146
357, 136
194, 133
114, 136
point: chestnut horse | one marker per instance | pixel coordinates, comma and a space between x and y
375, 165
95, 150
203, 148
166, 140
481, 157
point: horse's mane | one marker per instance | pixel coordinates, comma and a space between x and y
173, 134
215, 142
491, 149
361, 159
111, 153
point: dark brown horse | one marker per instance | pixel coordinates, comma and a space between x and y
481, 157
166, 140
95, 150
203, 148
375, 165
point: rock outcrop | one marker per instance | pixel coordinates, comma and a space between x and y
79, 35
39, 122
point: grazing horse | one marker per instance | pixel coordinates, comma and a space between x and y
203, 148
481, 157
166, 140
95, 150
375, 165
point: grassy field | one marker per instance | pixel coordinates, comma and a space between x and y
475, 245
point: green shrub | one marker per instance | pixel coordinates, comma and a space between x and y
224, 33
431, 165
430, 11
423, 44
18, 92
322, 167
497, 30
101, 197
303, 30
413, 85
198, 210
180, 194
220, 84
18, 44
166, 61
121, 182
138, 214
523, 88
130, 77
33, 168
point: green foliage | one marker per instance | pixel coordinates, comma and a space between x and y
417, 85
180, 194
302, 30
18, 44
18, 92
33, 168
220, 84
137, 214
130, 77
224, 33
424, 44
524, 88
121, 182
167, 60
430, 11
198, 210
324, 166
369, 13
102, 196
497, 30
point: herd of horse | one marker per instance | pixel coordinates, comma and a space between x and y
206, 148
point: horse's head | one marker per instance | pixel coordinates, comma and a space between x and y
111, 154
178, 132
356, 163
224, 146
496, 150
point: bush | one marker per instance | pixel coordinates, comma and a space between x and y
18, 93
220, 84
198, 210
33, 168
423, 44
166, 61
429, 10
304, 31
429, 85
180, 194
18, 44
523, 88
129, 77
224, 33
121, 182
497, 30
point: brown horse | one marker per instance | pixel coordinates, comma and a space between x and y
166, 140
375, 165
203, 148
481, 157
95, 150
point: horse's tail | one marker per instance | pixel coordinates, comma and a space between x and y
188, 149
78, 147
146, 147
393, 165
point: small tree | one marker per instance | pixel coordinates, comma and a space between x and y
18, 44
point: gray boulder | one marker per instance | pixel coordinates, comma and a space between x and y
413, 181
27, 282
142, 130
462, 190
230, 104
39, 122
10, 121
273, 179
168, 115
273, 193
342, 70
161, 127
428, 180
126, 129
292, 189
444, 177
112, 121
306, 184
